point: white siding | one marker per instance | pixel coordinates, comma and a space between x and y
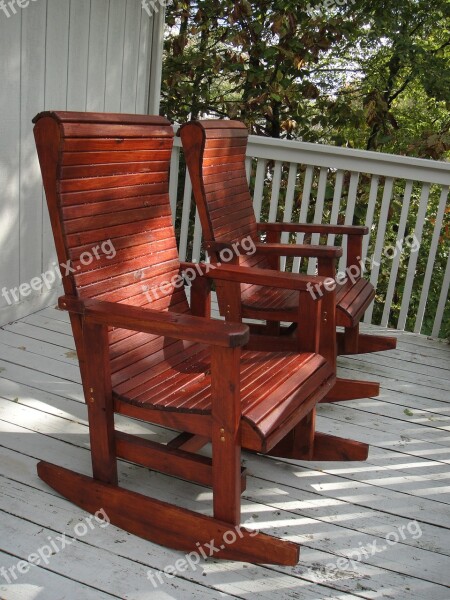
62, 55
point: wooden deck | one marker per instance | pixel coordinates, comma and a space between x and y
390, 515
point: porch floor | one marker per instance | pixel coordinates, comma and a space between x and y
389, 515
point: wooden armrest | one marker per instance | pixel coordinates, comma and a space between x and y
314, 228
308, 250
147, 320
264, 277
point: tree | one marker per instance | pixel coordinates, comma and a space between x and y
347, 74
368, 74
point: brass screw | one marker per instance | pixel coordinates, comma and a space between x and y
91, 400
325, 317
222, 434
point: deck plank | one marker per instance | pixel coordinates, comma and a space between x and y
332, 509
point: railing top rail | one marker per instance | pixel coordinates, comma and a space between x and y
336, 157
362, 161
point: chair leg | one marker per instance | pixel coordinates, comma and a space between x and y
304, 443
367, 343
226, 449
350, 341
100, 405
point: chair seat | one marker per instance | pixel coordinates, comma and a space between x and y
352, 300
277, 389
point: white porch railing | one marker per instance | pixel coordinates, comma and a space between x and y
402, 200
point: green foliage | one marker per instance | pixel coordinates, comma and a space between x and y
371, 74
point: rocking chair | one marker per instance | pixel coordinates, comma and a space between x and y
145, 355
215, 152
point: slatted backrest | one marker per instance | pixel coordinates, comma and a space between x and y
106, 182
215, 153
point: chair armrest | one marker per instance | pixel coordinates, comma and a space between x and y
264, 277
314, 228
299, 250
147, 320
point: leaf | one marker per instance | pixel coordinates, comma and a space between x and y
408, 412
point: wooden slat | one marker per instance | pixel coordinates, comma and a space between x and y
112, 206
111, 144
431, 259
318, 216
173, 181
94, 183
275, 193
128, 191
260, 178
303, 217
288, 206
409, 282
399, 247
121, 156
337, 195
187, 199
381, 230
96, 66
442, 299
373, 195
349, 212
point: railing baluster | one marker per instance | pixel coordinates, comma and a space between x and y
431, 259
318, 215
381, 231
336, 204
248, 167
197, 241
275, 195
184, 229
349, 214
173, 182
442, 299
259, 187
288, 206
420, 220
399, 247
373, 195
307, 184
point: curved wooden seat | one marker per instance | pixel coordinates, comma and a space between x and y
144, 353
275, 387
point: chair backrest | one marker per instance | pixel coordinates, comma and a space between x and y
215, 156
106, 182
215, 152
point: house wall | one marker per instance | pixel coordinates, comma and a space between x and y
93, 55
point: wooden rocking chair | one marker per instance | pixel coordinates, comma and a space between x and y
215, 153
143, 354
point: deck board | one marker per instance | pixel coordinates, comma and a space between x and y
332, 509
